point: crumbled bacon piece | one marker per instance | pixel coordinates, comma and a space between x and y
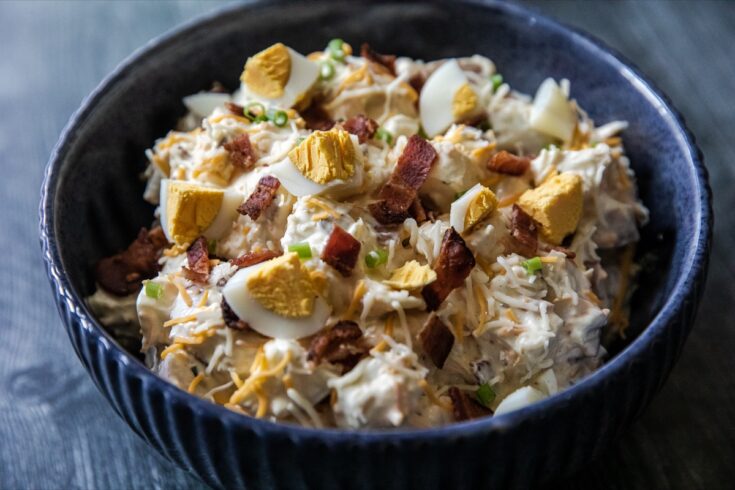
316, 118
197, 256
251, 258
417, 81
523, 232
261, 198
342, 344
464, 407
417, 211
436, 339
242, 154
230, 317
341, 251
509, 164
399, 192
235, 109
361, 126
386, 60
123, 273
454, 264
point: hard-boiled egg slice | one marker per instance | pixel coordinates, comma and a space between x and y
277, 299
552, 113
189, 210
326, 163
447, 97
279, 75
520, 398
471, 208
204, 103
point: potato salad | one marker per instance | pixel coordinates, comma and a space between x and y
360, 240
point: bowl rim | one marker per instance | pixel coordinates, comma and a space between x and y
693, 269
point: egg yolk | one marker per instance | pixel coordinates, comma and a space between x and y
267, 72
191, 209
325, 156
481, 206
283, 286
411, 275
464, 101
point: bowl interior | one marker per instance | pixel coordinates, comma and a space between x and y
98, 204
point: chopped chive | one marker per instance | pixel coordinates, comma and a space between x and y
533, 265
376, 257
212, 247
334, 48
153, 290
255, 111
459, 194
485, 394
422, 133
326, 70
279, 118
303, 249
384, 135
497, 81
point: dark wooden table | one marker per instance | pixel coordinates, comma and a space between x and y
56, 430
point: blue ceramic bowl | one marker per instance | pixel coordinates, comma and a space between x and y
91, 207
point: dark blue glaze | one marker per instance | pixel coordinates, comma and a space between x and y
91, 206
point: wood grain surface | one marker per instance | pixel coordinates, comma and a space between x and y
56, 430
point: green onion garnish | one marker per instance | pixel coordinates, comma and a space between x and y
533, 265
303, 249
334, 48
384, 135
255, 111
459, 194
153, 290
212, 247
279, 118
422, 133
485, 394
326, 70
376, 257
484, 126
497, 81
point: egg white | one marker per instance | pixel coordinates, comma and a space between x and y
222, 223
265, 321
204, 103
437, 95
459, 208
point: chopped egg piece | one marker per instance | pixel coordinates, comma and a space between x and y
472, 207
204, 103
522, 397
279, 75
446, 98
552, 113
411, 275
264, 308
556, 205
325, 156
190, 210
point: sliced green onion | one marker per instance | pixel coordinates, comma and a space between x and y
212, 247
279, 118
376, 257
533, 265
334, 48
303, 249
485, 394
422, 133
497, 81
153, 290
255, 111
326, 70
384, 135
459, 194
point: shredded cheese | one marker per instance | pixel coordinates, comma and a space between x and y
508, 200
170, 349
179, 320
360, 290
195, 382
203, 300
182, 292
432, 396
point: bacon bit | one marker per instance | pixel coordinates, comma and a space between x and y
386, 60
341, 251
418, 212
231, 319
417, 82
261, 198
361, 126
454, 264
241, 151
317, 119
398, 194
509, 164
198, 257
342, 344
123, 273
436, 339
235, 109
464, 407
251, 258
524, 232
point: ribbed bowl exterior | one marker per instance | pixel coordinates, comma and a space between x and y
554, 437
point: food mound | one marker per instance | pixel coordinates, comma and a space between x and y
374, 241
